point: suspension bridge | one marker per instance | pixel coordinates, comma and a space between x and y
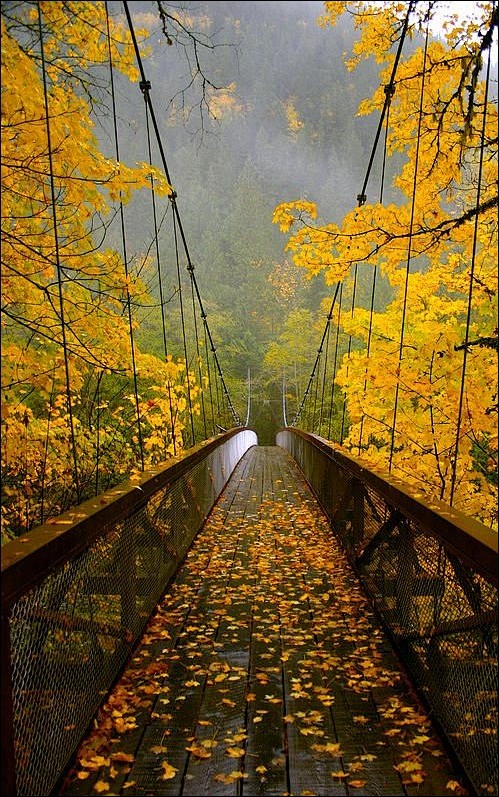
245, 619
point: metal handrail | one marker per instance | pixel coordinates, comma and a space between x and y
431, 573
474, 542
92, 577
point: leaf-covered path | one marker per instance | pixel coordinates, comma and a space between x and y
263, 671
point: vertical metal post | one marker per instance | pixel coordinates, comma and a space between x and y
126, 558
404, 578
358, 512
7, 727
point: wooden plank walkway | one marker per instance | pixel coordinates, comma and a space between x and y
264, 671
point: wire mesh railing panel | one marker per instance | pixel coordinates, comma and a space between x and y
67, 641
71, 631
437, 597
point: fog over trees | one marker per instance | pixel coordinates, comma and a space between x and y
286, 129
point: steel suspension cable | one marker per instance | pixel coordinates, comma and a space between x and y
362, 196
316, 392
184, 331
198, 352
389, 91
248, 405
470, 290
210, 383
144, 87
128, 303
319, 352
352, 312
98, 448
409, 249
324, 373
176, 211
336, 346
58, 263
46, 448
284, 390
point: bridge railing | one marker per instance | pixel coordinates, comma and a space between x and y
77, 593
432, 575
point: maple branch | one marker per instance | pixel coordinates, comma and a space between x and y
491, 342
176, 32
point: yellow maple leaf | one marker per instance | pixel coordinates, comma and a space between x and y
235, 752
95, 762
198, 751
207, 743
169, 772
125, 757
231, 777
101, 786
158, 748
408, 766
454, 785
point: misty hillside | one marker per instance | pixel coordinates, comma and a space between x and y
292, 132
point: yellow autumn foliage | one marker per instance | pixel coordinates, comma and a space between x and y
65, 331
417, 399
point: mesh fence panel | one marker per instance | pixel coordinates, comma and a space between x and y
71, 634
441, 613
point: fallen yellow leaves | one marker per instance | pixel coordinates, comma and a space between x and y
198, 751
231, 777
168, 772
455, 787
126, 758
330, 748
305, 646
96, 762
235, 752
158, 749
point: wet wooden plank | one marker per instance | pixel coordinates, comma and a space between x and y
264, 671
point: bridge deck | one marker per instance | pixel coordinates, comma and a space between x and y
264, 671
